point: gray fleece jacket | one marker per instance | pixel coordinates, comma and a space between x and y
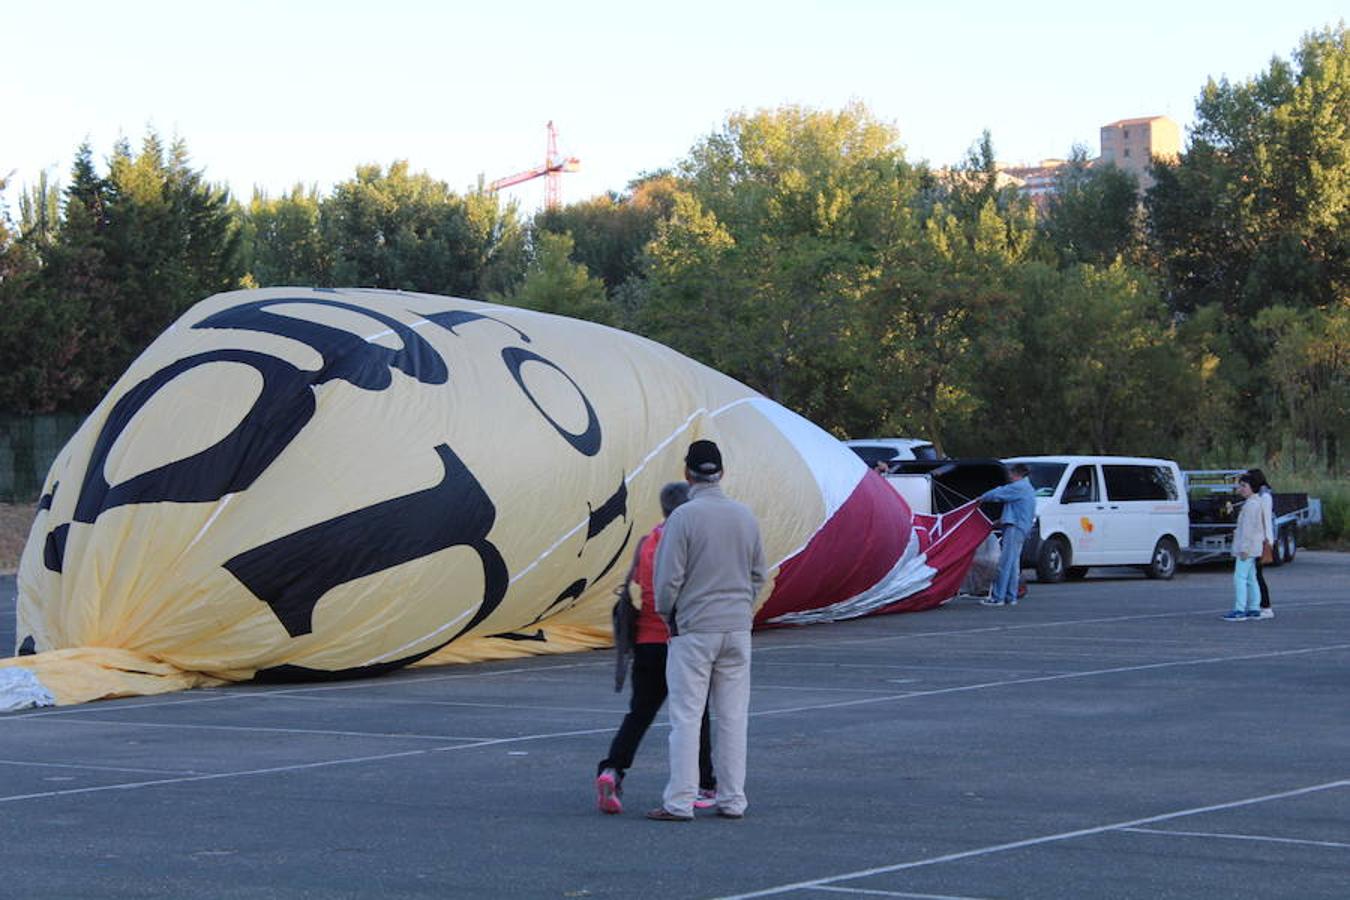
709, 564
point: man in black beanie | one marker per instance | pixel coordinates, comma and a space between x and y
709, 569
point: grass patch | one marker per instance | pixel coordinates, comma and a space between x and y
1334, 532
15, 521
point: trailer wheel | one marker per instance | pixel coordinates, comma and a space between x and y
1288, 546
1053, 561
1278, 549
1164, 562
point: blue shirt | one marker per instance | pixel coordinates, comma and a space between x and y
1019, 502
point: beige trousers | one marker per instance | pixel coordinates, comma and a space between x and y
714, 668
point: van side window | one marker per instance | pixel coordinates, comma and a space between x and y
1140, 483
1082, 486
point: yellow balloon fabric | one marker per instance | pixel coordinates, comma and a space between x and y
298, 484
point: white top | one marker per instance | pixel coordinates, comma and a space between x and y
1268, 512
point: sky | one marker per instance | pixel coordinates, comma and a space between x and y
271, 94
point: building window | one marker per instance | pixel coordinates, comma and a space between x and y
1127, 152
1127, 134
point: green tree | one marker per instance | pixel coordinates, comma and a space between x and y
762, 268
40, 211
41, 333
133, 250
694, 296
170, 239
1093, 214
1309, 373
399, 230
283, 242
941, 305
555, 284
611, 231
1256, 215
943, 312
1269, 166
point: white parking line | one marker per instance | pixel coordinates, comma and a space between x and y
300, 767
814, 688
87, 708
1045, 839
1216, 612
392, 701
838, 704
1035, 679
265, 729
1240, 837
129, 786
249, 690
207, 695
872, 892
45, 765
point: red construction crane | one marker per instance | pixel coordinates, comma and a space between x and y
552, 169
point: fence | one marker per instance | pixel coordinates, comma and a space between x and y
28, 444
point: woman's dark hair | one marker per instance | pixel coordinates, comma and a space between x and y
1258, 479
1247, 479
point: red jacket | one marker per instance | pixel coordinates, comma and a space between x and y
651, 628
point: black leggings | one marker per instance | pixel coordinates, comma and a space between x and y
649, 692
1261, 583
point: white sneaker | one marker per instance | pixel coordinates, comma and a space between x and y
1267, 612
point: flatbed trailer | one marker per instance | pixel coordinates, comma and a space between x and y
1214, 506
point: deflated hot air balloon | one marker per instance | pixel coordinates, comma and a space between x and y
295, 484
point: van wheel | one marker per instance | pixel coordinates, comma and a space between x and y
1053, 562
1164, 562
1076, 573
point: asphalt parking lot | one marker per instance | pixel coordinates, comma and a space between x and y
1107, 738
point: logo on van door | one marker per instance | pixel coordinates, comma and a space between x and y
1086, 524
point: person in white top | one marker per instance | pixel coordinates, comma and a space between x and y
1267, 496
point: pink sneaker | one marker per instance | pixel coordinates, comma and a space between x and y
706, 799
608, 791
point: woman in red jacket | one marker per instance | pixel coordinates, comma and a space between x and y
649, 680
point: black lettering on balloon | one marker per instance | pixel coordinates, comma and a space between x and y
28, 647
232, 464
537, 635
285, 405
571, 592
586, 442
565, 600
346, 356
601, 516
448, 320
54, 548
291, 574
617, 553
286, 674
45, 501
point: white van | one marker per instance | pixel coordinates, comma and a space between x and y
1105, 511
873, 450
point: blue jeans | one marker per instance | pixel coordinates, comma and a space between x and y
1246, 592
1009, 564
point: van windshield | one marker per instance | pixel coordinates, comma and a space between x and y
1045, 477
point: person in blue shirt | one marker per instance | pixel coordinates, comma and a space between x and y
1019, 509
